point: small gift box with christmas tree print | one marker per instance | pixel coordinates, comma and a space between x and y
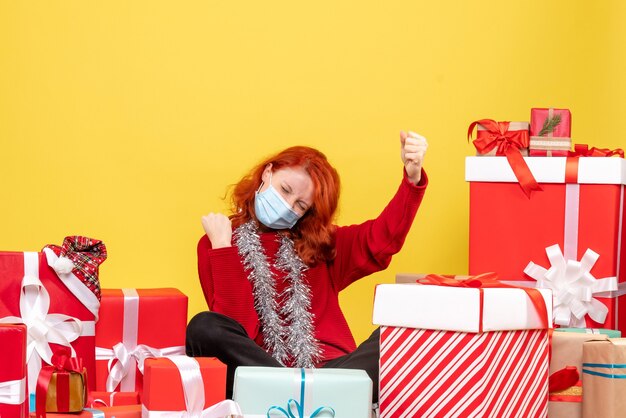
550, 132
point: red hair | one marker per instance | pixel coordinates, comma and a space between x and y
313, 234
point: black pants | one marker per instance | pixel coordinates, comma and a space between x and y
211, 334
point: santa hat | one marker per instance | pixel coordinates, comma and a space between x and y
81, 256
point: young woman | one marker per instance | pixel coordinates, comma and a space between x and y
272, 272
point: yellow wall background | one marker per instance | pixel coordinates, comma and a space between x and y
126, 121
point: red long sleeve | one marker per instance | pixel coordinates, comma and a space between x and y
361, 250
226, 287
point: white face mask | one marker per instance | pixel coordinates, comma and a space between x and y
272, 210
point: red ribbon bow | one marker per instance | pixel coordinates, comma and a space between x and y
62, 364
482, 280
583, 150
489, 280
62, 360
507, 143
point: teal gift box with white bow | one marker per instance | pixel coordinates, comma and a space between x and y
302, 393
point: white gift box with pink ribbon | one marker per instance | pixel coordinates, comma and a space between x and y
567, 237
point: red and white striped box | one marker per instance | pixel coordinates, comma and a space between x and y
461, 352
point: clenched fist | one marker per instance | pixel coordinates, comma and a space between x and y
218, 228
412, 150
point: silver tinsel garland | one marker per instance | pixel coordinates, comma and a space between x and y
287, 332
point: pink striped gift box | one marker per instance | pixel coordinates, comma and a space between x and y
461, 352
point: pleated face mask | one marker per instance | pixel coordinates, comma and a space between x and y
272, 210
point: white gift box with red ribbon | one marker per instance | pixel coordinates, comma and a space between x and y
452, 351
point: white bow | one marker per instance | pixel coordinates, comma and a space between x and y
43, 328
122, 361
13, 392
573, 287
193, 388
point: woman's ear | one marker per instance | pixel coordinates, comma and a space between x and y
265, 177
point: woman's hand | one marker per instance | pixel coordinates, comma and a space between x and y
412, 150
219, 230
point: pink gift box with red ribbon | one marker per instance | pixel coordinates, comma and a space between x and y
136, 324
13, 390
550, 132
568, 237
58, 309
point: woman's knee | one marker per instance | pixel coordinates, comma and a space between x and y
211, 329
204, 326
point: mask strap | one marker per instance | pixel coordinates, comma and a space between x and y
262, 182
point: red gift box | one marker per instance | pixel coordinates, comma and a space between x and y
136, 324
509, 139
33, 293
580, 208
123, 411
495, 138
61, 387
173, 385
462, 351
13, 390
99, 399
550, 132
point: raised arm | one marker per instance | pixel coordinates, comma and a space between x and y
368, 247
226, 287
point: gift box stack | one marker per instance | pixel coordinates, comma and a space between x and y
545, 216
71, 349
74, 350
554, 220
54, 295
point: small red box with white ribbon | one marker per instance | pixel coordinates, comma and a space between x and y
181, 386
13, 391
136, 324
